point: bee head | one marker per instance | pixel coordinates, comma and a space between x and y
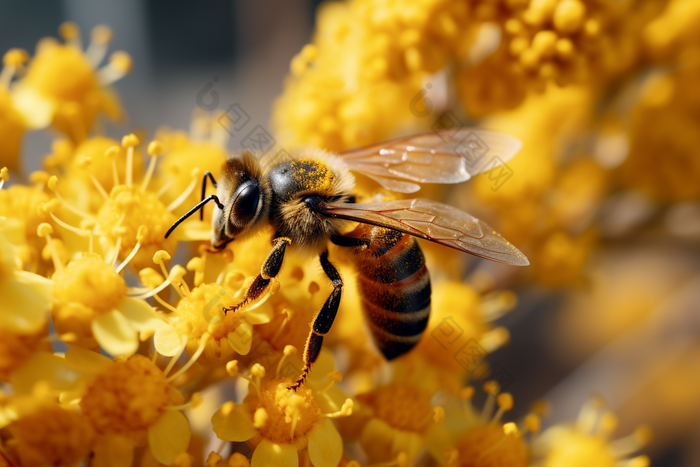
242, 195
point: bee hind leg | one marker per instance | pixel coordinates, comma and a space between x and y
323, 320
269, 270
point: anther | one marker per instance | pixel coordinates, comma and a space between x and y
260, 418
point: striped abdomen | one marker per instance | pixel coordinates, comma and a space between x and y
395, 287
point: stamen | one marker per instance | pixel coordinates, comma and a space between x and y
81, 232
13, 59
100, 37
199, 124
117, 247
494, 339
196, 264
588, 416
119, 65
84, 163
45, 230
497, 304
258, 371
154, 357
623, 447
154, 150
89, 225
508, 429
202, 344
505, 403
335, 377
128, 142
260, 418
491, 388
140, 237
176, 275
155, 291
3, 176
112, 153
164, 303
70, 32
195, 401
175, 357
188, 191
288, 351
345, 410
165, 188
437, 415
289, 312
295, 419
53, 181
160, 257
532, 424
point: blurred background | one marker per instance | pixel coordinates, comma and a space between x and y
628, 330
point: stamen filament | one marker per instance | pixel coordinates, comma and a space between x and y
165, 188
73, 209
115, 172
99, 186
117, 247
488, 406
81, 232
6, 75
129, 165
128, 258
176, 357
149, 173
153, 292
164, 303
181, 199
54, 253
193, 359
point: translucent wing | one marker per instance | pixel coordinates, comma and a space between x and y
437, 222
445, 156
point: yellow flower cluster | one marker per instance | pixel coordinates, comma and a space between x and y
85, 265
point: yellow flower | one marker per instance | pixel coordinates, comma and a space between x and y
282, 424
91, 304
45, 433
19, 208
26, 297
478, 438
63, 86
17, 347
12, 124
587, 441
396, 419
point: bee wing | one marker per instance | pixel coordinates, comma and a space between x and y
445, 156
437, 222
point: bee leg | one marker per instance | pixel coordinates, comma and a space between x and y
269, 270
322, 321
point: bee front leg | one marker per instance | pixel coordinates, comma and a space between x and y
323, 320
269, 270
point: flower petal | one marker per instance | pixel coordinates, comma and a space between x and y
407, 442
35, 108
325, 445
169, 436
24, 304
241, 338
43, 366
86, 361
167, 341
114, 333
268, 453
233, 425
140, 314
376, 440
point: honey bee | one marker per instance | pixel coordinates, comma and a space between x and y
307, 197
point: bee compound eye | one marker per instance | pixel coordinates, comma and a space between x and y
246, 204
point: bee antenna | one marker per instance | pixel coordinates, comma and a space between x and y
199, 206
